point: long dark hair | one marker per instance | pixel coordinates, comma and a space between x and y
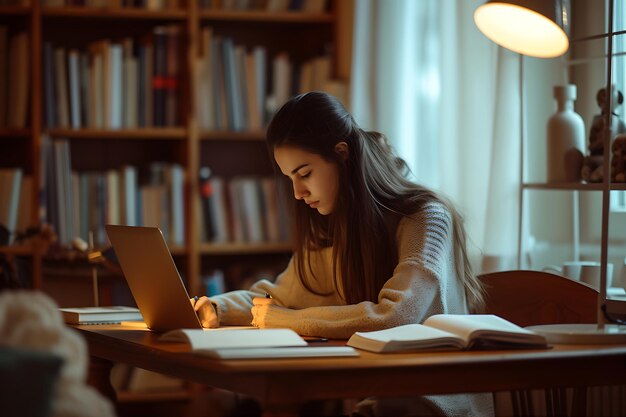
372, 185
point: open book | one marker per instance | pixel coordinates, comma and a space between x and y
247, 343
449, 332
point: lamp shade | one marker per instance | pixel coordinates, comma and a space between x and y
537, 28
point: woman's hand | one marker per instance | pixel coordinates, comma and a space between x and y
205, 311
259, 311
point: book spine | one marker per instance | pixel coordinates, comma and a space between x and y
172, 75
222, 111
206, 195
129, 196
84, 199
176, 210
242, 91
25, 204
85, 87
159, 79
116, 102
19, 53
130, 87
231, 81
10, 188
260, 67
4, 81
221, 215
49, 86
74, 81
61, 88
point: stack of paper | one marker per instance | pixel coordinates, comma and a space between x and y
229, 343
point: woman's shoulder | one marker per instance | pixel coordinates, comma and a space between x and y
431, 212
426, 231
432, 207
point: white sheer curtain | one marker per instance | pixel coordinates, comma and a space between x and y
448, 100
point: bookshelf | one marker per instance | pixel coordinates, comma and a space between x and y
97, 137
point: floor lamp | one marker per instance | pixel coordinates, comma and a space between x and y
540, 28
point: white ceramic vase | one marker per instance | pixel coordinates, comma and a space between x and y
566, 137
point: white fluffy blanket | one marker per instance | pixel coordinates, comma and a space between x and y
31, 320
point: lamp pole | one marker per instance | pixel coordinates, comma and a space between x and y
522, 120
606, 184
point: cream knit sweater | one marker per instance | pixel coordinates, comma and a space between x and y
423, 283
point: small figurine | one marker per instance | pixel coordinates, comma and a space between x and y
592, 170
618, 163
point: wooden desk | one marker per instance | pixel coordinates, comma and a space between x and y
284, 383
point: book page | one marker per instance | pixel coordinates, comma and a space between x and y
234, 338
483, 326
405, 338
283, 352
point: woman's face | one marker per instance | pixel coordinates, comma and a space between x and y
314, 180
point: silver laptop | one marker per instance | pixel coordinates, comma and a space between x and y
153, 278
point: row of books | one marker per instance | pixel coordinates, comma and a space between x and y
14, 2
232, 83
80, 203
239, 209
147, 4
245, 209
114, 85
307, 6
14, 78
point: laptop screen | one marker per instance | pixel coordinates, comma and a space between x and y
153, 278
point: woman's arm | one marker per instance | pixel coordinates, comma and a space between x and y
423, 283
233, 308
410, 296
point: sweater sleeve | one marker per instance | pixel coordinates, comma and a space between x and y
414, 292
233, 308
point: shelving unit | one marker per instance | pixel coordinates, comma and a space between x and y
573, 186
228, 153
605, 187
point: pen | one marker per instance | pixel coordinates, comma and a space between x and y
195, 300
313, 339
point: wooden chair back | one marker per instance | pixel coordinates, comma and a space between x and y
529, 298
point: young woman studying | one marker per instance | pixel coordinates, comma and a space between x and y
373, 249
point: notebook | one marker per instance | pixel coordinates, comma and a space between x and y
153, 278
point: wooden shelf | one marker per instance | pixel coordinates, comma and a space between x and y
17, 250
573, 186
142, 133
262, 16
94, 152
15, 133
229, 135
158, 396
244, 248
114, 13
178, 133
15, 10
